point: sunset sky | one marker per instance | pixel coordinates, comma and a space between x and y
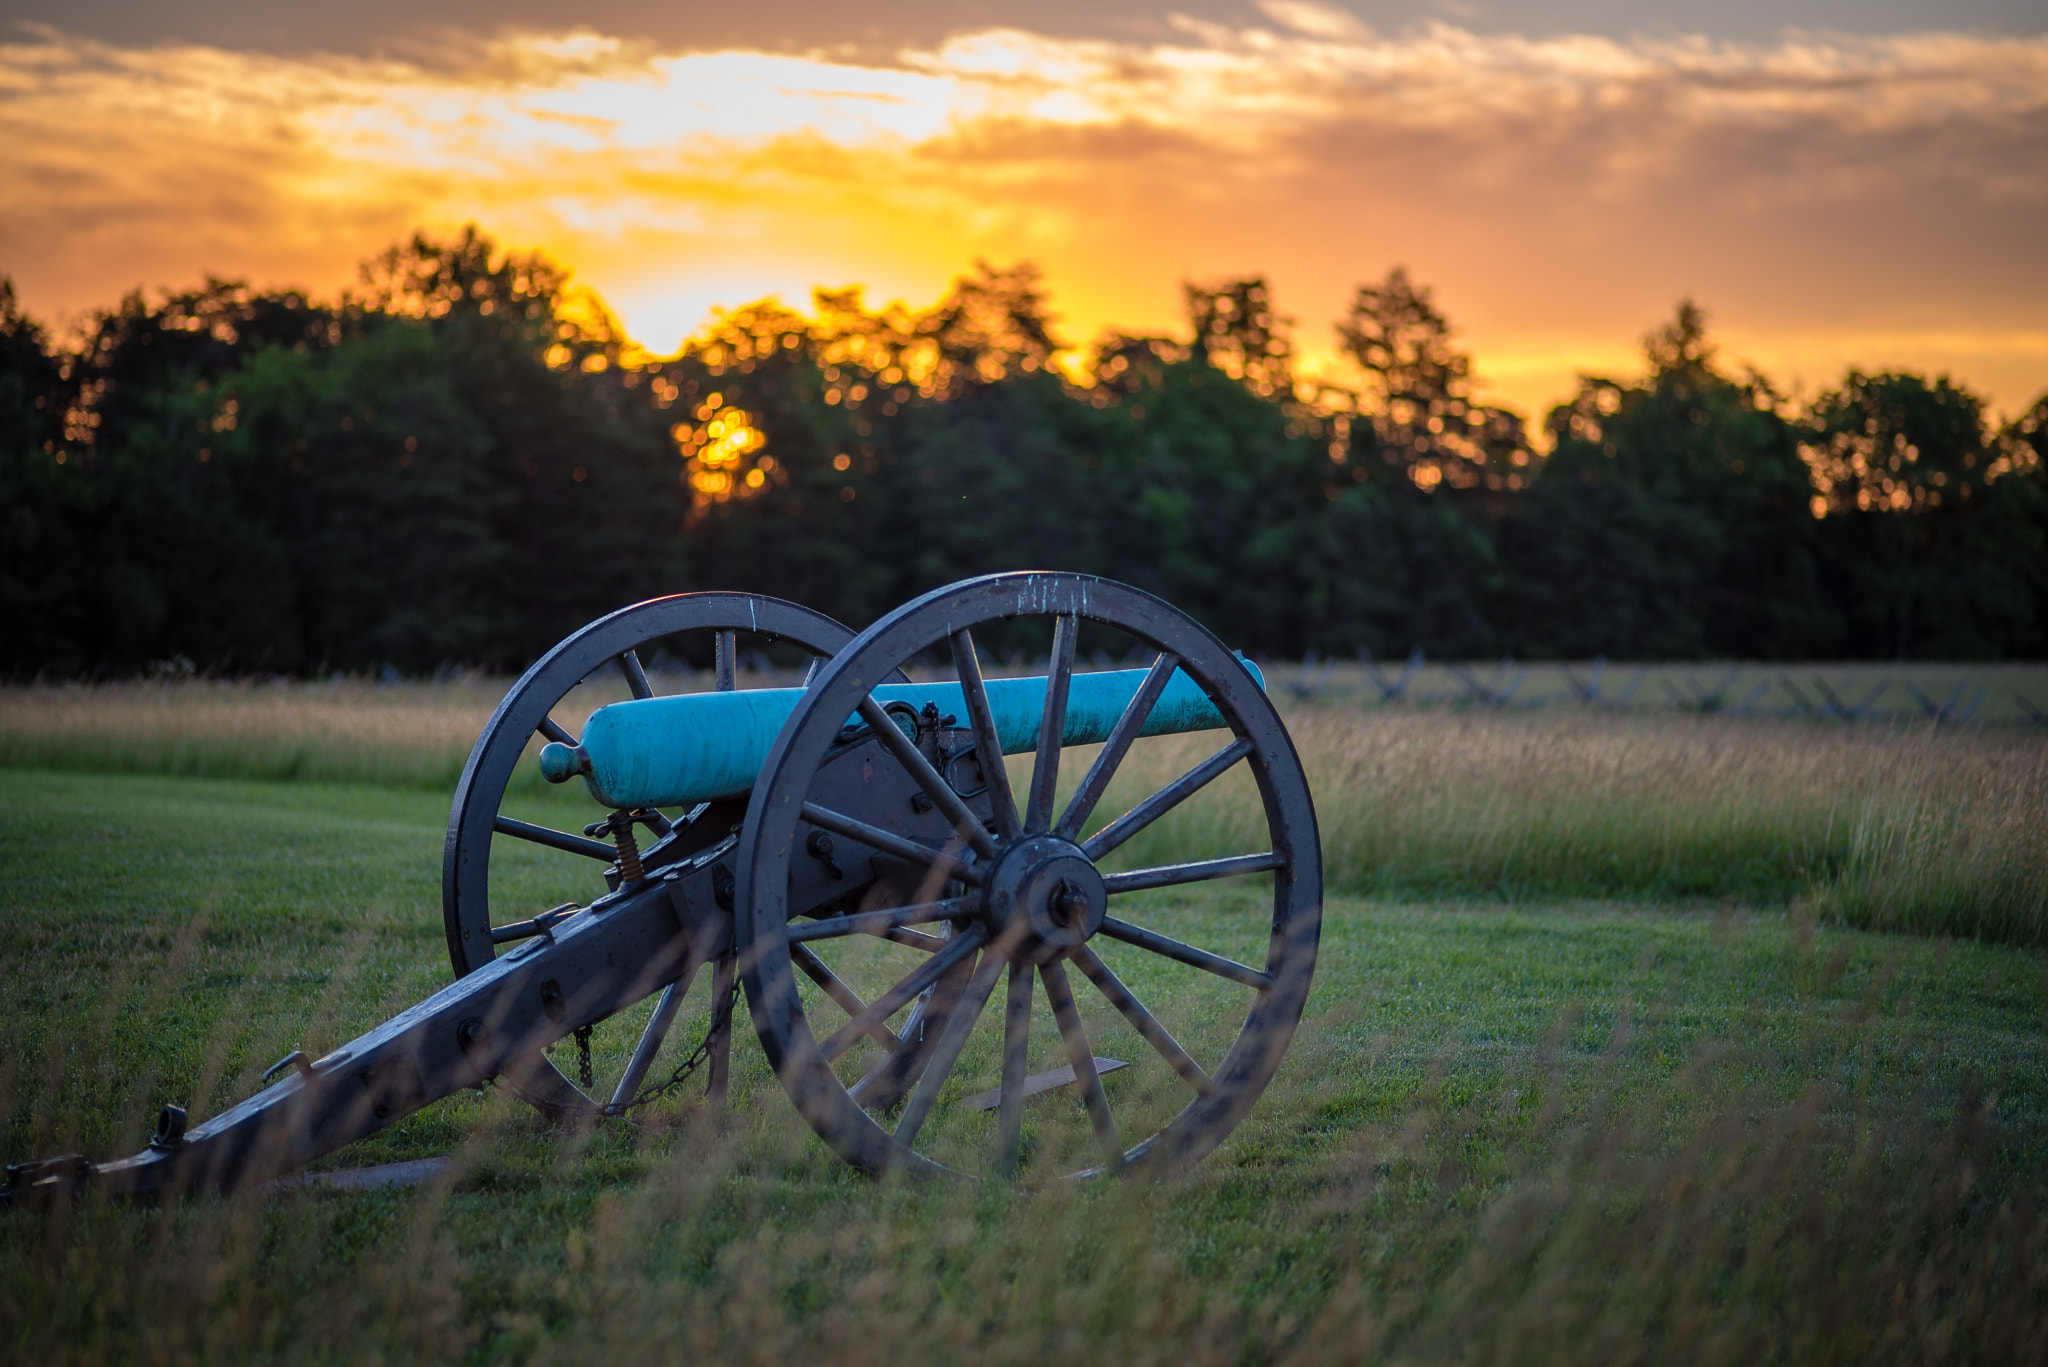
1867, 188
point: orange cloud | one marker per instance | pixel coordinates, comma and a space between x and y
1832, 201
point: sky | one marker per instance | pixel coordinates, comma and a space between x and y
1837, 183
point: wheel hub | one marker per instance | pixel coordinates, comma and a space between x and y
1045, 897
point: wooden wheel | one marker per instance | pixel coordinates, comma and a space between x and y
477, 923
1026, 896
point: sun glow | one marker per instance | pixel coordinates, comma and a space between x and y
715, 449
1579, 179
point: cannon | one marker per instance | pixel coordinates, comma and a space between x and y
853, 858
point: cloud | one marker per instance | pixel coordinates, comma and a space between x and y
1833, 200
1317, 21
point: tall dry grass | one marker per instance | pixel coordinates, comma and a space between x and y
1887, 690
346, 731
404, 734
1905, 826
1901, 827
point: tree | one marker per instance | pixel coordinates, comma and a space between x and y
450, 466
159, 557
388, 497
1238, 331
40, 592
991, 324
465, 459
866, 454
1122, 364
1935, 535
1671, 518
582, 483
1418, 393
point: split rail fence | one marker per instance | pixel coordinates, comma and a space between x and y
1937, 694
1933, 693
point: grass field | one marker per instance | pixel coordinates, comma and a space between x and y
1884, 824
1615, 1053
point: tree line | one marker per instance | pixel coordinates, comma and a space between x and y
463, 459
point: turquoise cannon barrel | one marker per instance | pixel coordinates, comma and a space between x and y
664, 752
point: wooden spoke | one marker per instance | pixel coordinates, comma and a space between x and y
1052, 723
1016, 1048
987, 745
1157, 1035
959, 1025
1164, 801
553, 839
849, 1001
1173, 949
868, 922
719, 1042
549, 728
1199, 871
1081, 1054
724, 667
965, 822
889, 842
890, 1077
892, 1001
1119, 743
650, 1042
636, 677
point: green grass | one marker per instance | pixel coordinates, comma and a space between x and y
1544, 1130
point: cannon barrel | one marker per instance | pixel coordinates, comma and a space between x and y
694, 747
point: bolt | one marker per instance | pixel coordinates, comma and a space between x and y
1066, 903
819, 847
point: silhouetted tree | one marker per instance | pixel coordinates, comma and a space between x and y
1935, 554
162, 557
1238, 331
41, 569
1671, 518
1418, 394
464, 459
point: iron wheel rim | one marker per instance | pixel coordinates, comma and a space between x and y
775, 812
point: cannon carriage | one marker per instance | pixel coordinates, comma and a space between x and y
851, 858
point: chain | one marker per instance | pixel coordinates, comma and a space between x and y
720, 1015
583, 1072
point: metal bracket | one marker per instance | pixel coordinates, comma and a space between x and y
170, 1121
543, 924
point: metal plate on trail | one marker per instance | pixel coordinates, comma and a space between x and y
1041, 1082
